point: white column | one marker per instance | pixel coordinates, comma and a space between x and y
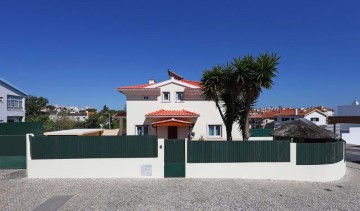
293, 153
28, 154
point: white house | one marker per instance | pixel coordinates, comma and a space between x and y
275, 117
173, 109
12, 103
79, 116
350, 132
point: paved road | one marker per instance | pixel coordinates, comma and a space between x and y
20, 193
353, 153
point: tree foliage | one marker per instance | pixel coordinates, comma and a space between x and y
236, 86
34, 105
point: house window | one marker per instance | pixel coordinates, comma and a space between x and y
314, 119
179, 96
214, 130
166, 97
142, 130
14, 102
285, 119
146, 97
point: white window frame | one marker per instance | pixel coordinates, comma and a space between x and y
14, 101
163, 97
142, 130
208, 131
176, 97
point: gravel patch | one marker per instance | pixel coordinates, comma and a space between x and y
183, 194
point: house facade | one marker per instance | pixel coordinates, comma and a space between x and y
12, 103
275, 117
350, 131
173, 109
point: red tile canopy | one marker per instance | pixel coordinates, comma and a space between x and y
172, 113
171, 122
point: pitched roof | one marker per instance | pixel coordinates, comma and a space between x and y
172, 113
140, 86
175, 78
13, 87
286, 112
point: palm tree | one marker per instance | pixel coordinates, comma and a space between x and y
218, 86
251, 76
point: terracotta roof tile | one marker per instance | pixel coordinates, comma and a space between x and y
140, 86
172, 113
145, 86
194, 83
285, 112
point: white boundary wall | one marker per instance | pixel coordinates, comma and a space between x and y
276, 171
132, 168
96, 167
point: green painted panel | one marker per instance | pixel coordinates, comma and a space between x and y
12, 145
174, 150
174, 170
12, 162
71, 147
22, 128
319, 153
260, 132
238, 151
174, 158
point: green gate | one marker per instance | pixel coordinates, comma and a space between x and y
174, 158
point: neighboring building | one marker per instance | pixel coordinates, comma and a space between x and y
348, 110
273, 118
350, 132
80, 117
173, 109
12, 103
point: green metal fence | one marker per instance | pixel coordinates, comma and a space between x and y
319, 153
174, 158
260, 132
238, 151
21, 128
12, 152
72, 147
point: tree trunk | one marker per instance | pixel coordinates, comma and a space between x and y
246, 133
228, 132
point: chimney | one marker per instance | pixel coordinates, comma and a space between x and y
152, 81
295, 111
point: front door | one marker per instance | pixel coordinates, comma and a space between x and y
172, 132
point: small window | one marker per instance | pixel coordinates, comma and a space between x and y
146, 97
214, 131
179, 96
166, 97
285, 119
314, 119
142, 130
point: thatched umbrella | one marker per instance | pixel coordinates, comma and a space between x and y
303, 130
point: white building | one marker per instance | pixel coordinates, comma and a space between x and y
12, 103
350, 132
80, 117
275, 117
173, 109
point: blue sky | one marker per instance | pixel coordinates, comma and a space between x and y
78, 52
